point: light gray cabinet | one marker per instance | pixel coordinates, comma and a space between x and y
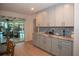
65, 15
54, 45
48, 43
67, 48
62, 47
60, 15
42, 18
52, 16
36, 39
45, 43
69, 14
42, 41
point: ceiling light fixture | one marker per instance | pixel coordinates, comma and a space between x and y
32, 8
67, 5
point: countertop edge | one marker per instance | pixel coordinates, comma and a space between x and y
55, 36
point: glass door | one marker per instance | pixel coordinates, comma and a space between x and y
18, 30
14, 27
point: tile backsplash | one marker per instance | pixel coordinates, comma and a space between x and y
59, 30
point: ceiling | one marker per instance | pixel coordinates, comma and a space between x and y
24, 8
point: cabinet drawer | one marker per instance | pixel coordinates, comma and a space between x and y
67, 43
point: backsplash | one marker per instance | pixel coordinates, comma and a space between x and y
59, 30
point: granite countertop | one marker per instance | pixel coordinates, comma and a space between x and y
56, 36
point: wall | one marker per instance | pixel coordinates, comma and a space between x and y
13, 14
29, 28
76, 30
28, 22
59, 30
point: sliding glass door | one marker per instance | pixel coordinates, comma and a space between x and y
14, 27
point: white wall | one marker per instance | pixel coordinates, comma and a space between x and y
76, 30
29, 28
28, 22
13, 14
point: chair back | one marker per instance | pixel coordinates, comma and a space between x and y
10, 48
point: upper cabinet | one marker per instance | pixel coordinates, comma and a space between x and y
68, 14
59, 15
42, 19
52, 17
64, 15
37, 19
45, 18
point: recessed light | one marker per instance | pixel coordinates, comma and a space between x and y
32, 8
67, 5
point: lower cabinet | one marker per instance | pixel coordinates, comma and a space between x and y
62, 47
48, 43
42, 41
36, 40
67, 48
45, 43
55, 46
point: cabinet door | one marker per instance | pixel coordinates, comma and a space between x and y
66, 51
48, 44
52, 16
67, 48
68, 14
45, 20
55, 46
36, 40
41, 19
42, 42
60, 15
37, 20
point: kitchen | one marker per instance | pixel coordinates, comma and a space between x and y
47, 29
54, 31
